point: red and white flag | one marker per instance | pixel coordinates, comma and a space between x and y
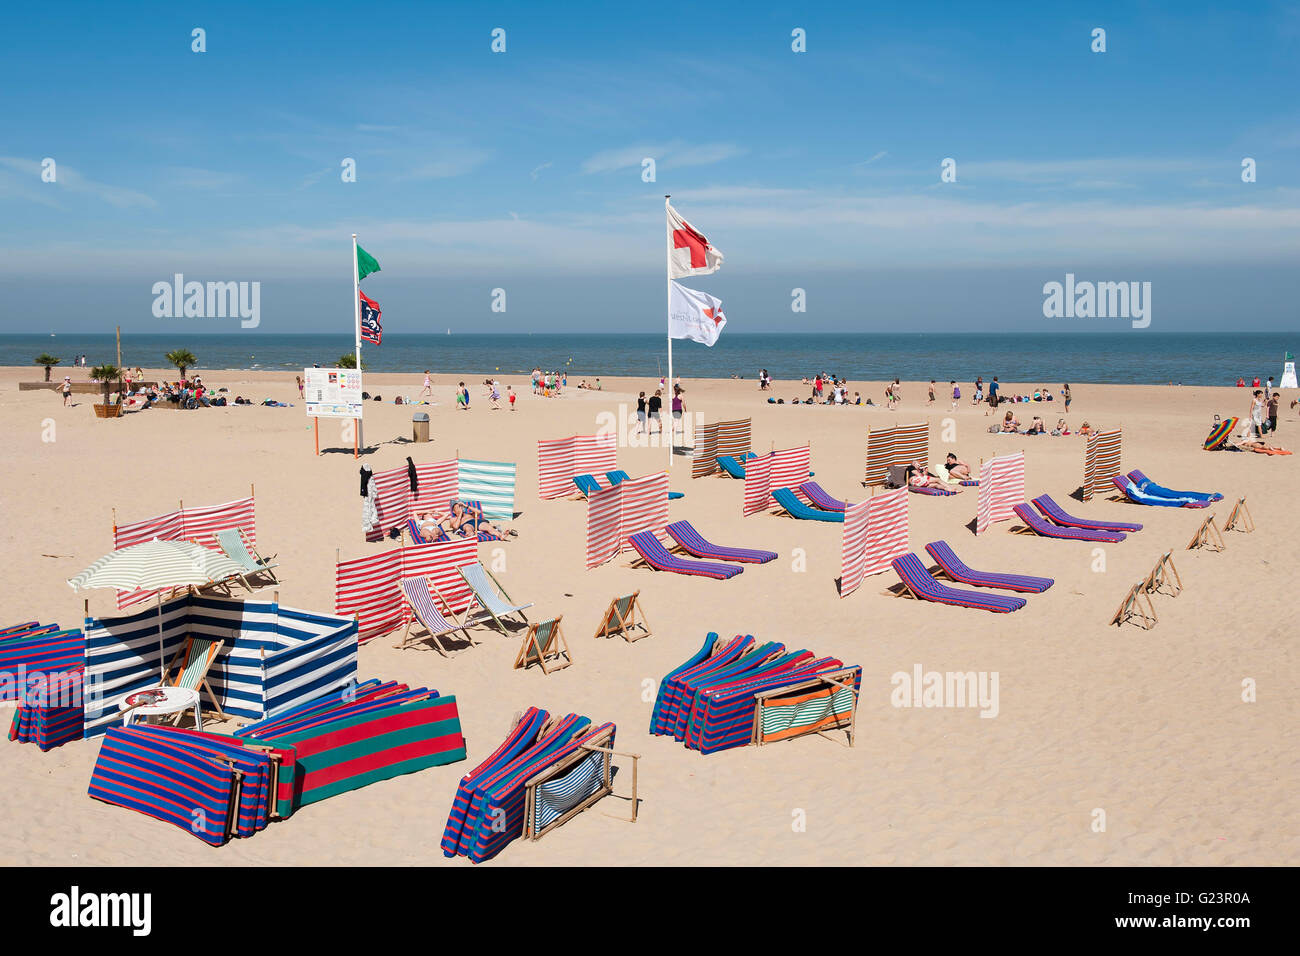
694, 315
690, 253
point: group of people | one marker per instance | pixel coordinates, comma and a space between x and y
1261, 420
649, 410
919, 475
1011, 425
461, 520
549, 384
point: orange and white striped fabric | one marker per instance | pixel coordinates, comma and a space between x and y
1002, 487
559, 459
615, 514
369, 588
896, 445
188, 524
1101, 462
719, 438
875, 532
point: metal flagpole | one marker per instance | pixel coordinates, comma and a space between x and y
356, 310
668, 272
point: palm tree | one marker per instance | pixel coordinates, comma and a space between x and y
349, 361
182, 359
48, 360
107, 374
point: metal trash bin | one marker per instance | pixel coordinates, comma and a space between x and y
420, 426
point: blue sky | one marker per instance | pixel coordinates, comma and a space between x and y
522, 170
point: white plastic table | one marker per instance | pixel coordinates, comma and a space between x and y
175, 699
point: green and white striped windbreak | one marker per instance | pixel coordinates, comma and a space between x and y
157, 564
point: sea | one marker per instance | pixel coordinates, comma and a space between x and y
1136, 357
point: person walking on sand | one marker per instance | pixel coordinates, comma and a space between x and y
1065, 395
956, 394
640, 414
427, 390
931, 401
679, 406
494, 394
67, 390
1257, 413
510, 396
652, 409
1272, 411
298, 379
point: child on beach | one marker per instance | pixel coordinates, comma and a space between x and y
494, 394
298, 379
1272, 411
67, 390
956, 394
427, 390
510, 396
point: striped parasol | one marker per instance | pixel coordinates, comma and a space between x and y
157, 564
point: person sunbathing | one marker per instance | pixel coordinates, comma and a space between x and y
919, 476
1036, 427
957, 468
1061, 428
1257, 445
1086, 429
433, 525
1010, 423
467, 520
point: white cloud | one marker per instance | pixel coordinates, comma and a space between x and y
675, 154
73, 181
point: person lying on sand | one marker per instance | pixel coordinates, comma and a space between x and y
919, 476
956, 467
466, 519
432, 524
1257, 445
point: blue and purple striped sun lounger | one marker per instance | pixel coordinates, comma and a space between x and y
1041, 526
1056, 514
653, 553
1149, 487
928, 490
693, 543
820, 499
921, 584
952, 565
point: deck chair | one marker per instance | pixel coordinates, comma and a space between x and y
195, 657
730, 466
573, 784
425, 613
485, 587
621, 619
1239, 518
544, 644
237, 547
1131, 608
1160, 577
588, 485
1207, 536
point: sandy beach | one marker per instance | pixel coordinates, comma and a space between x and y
1147, 726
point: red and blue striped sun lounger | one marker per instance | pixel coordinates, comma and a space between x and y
1056, 514
952, 566
653, 553
1148, 486
419, 537
693, 543
921, 584
820, 499
1040, 526
928, 490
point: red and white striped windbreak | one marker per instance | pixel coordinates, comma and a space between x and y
875, 532
1002, 487
615, 514
559, 459
1101, 462
369, 588
437, 481
784, 468
188, 524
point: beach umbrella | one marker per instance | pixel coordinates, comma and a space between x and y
157, 564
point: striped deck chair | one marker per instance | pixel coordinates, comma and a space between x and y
236, 545
544, 644
485, 587
694, 543
920, 584
952, 566
1035, 524
1056, 514
426, 614
1151, 488
195, 657
573, 784
820, 499
653, 553
621, 619
789, 503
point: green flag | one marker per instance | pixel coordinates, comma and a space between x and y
366, 263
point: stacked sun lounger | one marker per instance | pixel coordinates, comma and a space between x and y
355, 737
711, 702
45, 667
211, 785
489, 808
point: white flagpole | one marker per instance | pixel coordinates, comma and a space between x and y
356, 309
668, 272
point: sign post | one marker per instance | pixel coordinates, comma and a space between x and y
334, 393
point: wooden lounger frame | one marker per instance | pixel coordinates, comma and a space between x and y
840, 679
1207, 536
1160, 577
554, 656
1131, 607
1240, 513
598, 745
613, 623
405, 642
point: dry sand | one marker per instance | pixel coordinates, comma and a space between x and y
1147, 726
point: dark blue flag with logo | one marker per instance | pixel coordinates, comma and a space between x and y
371, 330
